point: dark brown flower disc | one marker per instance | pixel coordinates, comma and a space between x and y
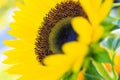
63, 10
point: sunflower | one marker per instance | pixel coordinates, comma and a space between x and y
58, 37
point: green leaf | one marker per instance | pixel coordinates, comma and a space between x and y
70, 75
108, 21
110, 24
101, 55
112, 43
119, 77
92, 74
67, 75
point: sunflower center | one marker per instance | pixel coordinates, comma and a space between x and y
61, 33
56, 28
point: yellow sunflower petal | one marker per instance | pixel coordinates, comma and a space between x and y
83, 28
96, 5
56, 62
96, 11
76, 52
104, 9
51, 60
87, 6
72, 60
98, 32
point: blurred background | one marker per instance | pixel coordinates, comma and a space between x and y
7, 7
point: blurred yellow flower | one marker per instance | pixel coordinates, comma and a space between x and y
2, 2
116, 64
81, 75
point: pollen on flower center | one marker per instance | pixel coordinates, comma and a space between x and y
63, 10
